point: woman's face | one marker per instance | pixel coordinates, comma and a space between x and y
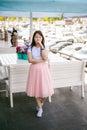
38, 38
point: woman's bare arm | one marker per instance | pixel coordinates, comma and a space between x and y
44, 54
33, 61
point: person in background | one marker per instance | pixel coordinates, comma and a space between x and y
39, 84
14, 37
5, 34
26, 42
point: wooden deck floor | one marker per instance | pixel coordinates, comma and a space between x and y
67, 111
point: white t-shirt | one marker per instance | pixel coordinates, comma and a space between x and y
36, 52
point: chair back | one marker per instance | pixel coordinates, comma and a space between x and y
18, 78
7, 50
66, 74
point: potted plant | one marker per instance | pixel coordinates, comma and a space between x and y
25, 56
22, 52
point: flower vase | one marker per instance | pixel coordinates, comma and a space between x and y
19, 55
25, 56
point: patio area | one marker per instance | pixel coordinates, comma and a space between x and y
67, 111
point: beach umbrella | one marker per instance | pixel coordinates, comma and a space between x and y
30, 8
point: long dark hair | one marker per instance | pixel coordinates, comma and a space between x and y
33, 41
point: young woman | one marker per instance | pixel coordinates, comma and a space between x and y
39, 83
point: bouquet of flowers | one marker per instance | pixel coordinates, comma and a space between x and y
21, 49
22, 52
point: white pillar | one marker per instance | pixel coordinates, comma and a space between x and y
31, 31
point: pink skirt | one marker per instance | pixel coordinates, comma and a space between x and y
39, 83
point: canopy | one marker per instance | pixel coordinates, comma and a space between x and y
58, 6
25, 7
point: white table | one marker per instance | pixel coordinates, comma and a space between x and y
11, 59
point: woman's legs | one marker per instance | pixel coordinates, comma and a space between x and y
39, 108
40, 102
43, 100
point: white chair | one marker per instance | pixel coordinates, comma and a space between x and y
3, 70
66, 74
17, 75
7, 50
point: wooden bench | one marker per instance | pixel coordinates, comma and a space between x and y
66, 74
